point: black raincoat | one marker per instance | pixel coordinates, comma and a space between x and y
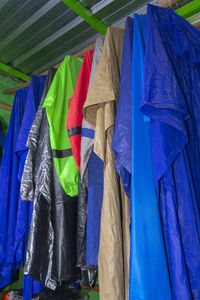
51, 248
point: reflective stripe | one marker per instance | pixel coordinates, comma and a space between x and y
87, 132
74, 130
61, 153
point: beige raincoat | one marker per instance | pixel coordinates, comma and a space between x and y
100, 110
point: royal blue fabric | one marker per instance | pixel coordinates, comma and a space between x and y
9, 195
149, 277
25, 208
95, 199
89, 133
171, 98
122, 138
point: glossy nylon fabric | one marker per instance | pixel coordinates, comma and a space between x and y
122, 139
56, 104
9, 196
149, 278
75, 115
99, 110
171, 99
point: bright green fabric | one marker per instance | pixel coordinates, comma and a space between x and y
56, 104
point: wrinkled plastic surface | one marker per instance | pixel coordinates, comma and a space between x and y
56, 104
36, 186
51, 249
171, 99
149, 278
122, 138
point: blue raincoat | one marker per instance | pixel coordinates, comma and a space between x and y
9, 187
149, 278
171, 97
26, 208
122, 139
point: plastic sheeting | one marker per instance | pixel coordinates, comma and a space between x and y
149, 278
171, 99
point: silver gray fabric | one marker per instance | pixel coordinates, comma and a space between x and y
37, 170
86, 142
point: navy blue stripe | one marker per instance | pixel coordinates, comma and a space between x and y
89, 133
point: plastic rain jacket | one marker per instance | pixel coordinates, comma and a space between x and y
25, 209
121, 140
91, 165
54, 217
99, 110
75, 116
9, 196
36, 185
73, 124
56, 104
149, 277
171, 99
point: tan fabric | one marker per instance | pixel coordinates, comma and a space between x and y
100, 110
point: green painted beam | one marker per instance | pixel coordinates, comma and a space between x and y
83, 12
189, 9
13, 72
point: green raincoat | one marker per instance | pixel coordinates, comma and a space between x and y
56, 104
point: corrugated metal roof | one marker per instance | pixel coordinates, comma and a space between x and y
35, 35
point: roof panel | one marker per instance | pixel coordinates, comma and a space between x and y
51, 22
37, 34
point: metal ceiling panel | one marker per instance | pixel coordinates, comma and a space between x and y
37, 34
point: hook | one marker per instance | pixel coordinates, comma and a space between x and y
170, 3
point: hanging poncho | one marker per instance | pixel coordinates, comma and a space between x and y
56, 104
75, 116
149, 278
25, 209
122, 139
9, 196
36, 185
99, 110
87, 133
171, 99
